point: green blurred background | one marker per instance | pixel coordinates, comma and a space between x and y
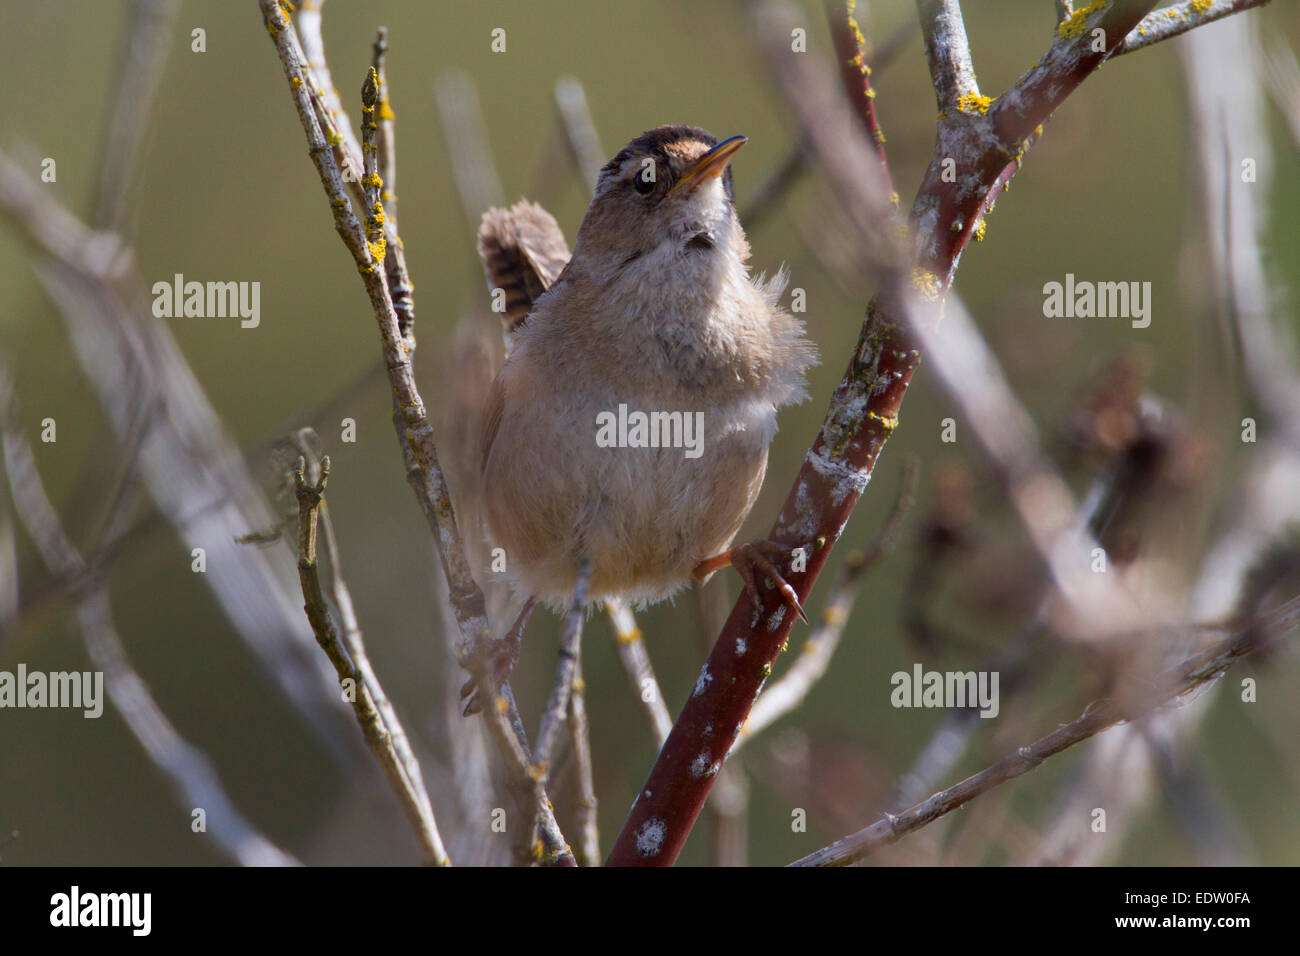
226, 191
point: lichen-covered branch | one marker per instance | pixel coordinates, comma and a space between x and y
947, 51
856, 74
410, 419
986, 140
1178, 18
788, 693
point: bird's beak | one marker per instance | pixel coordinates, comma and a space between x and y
713, 163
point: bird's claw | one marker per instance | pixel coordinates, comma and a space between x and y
746, 557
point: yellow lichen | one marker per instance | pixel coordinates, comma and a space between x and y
888, 423
926, 283
1074, 25
630, 637
1202, 6
980, 228
972, 102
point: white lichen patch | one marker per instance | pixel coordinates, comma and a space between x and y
702, 682
742, 646
650, 836
805, 515
845, 479
704, 765
777, 617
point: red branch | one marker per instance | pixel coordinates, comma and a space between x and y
988, 145
856, 74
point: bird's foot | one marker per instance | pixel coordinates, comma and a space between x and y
749, 558
498, 659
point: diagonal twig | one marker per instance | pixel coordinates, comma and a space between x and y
381, 730
188, 769
1196, 672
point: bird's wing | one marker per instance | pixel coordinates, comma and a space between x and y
523, 252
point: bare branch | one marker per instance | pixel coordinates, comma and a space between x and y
139, 75
580, 740
579, 129
947, 51
1198, 671
406, 781
636, 662
557, 706
463, 130
788, 693
193, 473
856, 75
1177, 19
192, 776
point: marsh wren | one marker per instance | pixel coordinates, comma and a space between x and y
629, 425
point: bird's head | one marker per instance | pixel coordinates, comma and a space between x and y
666, 195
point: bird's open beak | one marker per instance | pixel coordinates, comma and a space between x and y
711, 164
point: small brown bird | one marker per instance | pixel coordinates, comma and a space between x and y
628, 429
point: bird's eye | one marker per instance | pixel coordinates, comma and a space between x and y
644, 181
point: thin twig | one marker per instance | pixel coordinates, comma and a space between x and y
557, 705
359, 692
324, 92
465, 134
855, 74
341, 597
635, 659
1199, 670
399, 280
776, 184
139, 75
580, 740
579, 129
1177, 19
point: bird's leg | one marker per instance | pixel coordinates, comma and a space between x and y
502, 657
746, 558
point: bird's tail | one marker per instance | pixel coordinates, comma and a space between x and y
523, 252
